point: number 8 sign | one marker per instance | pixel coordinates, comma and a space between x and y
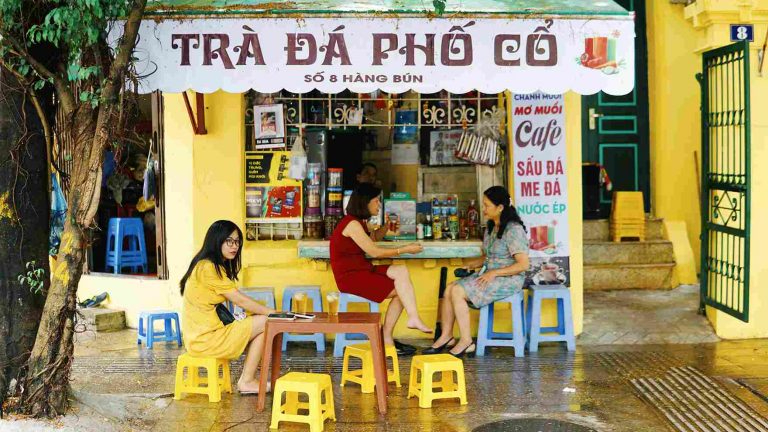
742, 32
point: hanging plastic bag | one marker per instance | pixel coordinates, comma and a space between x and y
148, 190
58, 216
298, 167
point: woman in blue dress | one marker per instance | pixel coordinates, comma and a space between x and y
501, 272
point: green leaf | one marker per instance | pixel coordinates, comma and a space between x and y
439, 6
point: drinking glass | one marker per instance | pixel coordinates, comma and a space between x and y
333, 303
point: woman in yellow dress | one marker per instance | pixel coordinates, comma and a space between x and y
209, 281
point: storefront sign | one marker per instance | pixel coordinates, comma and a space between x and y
270, 195
540, 172
394, 55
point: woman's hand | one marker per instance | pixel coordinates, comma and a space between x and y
487, 277
412, 248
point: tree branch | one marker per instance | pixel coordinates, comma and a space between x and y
124, 51
47, 130
62, 89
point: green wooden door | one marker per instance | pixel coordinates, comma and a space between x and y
615, 128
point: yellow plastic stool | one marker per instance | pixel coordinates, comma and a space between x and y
627, 207
365, 376
212, 385
313, 385
426, 366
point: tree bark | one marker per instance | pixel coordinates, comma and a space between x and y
24, 221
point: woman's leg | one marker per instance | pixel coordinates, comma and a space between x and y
404, 288
248, 381
461, 310
394, 311
447, 316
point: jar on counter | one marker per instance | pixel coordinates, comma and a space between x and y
313, 227
335, 197
331, 220
313, 196
335, 177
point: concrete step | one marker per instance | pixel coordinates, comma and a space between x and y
647, 252
628, 276
103, 319
599, 230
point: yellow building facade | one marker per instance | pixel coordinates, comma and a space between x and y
205, 180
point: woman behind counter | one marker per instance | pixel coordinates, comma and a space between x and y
209, 281
354, 274
502, 272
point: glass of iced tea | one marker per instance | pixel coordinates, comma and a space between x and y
333, 303
300, 302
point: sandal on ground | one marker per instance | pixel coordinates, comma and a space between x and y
437, 350
466, 351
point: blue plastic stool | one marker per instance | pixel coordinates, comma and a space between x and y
344, 339
486, 337
263, 294
126, 232
564, 329
147, 331
312, 292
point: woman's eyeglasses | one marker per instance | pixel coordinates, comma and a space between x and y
232, 242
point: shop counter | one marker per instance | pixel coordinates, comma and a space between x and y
433, 249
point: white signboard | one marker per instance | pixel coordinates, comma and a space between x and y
540, 172
390, 54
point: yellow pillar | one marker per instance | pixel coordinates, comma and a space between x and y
712, 20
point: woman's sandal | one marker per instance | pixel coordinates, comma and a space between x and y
441, 348
465, 351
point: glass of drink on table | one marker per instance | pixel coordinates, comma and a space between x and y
300, 303
333, 303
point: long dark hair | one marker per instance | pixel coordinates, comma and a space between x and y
359, 200
499, 196
211, 251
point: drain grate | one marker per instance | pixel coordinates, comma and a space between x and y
692, 402
532, 424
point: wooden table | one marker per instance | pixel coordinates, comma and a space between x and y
345, 322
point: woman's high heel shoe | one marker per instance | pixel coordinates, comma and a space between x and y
465, 352
441, 348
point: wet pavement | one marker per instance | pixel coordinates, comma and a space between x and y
626, 317
605, 388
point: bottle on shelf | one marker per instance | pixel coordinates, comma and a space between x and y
463, 233
419, 226
428, 228
437, 227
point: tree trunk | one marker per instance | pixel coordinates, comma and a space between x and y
24, 221
47, 385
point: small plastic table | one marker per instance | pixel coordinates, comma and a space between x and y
345, 322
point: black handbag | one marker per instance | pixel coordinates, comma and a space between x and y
224, 314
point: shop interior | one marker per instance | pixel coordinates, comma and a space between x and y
408, 144
128, 194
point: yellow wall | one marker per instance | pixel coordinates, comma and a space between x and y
204, 180
711, 19
675, 119
575, 211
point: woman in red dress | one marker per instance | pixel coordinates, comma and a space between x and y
354, 274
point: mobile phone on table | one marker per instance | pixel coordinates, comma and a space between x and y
303, 316
282, 316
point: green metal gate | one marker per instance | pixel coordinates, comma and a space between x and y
725, 192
